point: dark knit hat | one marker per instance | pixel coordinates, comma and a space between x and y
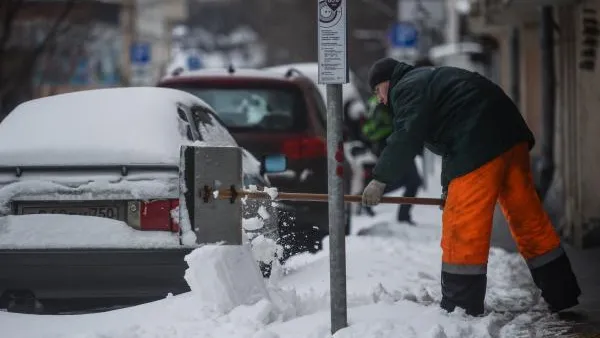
424, 62
381, 71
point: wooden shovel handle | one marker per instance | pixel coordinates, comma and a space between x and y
291, 196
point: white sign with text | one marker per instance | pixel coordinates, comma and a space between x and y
333, 60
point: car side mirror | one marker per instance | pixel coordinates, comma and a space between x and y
274, 163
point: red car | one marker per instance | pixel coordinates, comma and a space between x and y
272, 113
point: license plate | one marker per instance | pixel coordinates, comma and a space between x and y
111, 212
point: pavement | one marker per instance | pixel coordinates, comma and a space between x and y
585, 317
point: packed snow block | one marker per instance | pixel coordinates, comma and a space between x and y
203, 171
225, 276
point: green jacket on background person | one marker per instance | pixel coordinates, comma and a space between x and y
379, 124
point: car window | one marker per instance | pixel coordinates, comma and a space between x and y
272, 108
184, 114
210, 129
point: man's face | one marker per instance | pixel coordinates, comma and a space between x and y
381, 90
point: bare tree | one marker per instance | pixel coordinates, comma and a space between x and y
19, 57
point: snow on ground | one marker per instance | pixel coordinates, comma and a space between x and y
393, 291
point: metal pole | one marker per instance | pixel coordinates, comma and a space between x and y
333, 72
337, 231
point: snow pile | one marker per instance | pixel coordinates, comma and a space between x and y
224, 276
72, 231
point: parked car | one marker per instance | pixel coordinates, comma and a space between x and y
271, 113
354, 95
89, 194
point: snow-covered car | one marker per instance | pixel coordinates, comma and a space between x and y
353, 94
89, 193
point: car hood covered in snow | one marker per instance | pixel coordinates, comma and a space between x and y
96, 127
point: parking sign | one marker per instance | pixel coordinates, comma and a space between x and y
404, 35
140, 53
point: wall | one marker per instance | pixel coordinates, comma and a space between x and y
577, 184
530, 81
153, 25
588, 133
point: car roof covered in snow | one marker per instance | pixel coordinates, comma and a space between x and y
114, 126
224, 72
311, 70
350, 91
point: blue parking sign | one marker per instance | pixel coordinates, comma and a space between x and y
194, 62
404, 35
140, 53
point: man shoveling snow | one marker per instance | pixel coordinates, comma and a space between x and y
484, 143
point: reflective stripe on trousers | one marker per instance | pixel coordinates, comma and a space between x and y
464, 269
480, 269
546, 258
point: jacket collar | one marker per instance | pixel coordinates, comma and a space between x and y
399, 71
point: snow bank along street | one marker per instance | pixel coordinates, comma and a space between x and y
393, 291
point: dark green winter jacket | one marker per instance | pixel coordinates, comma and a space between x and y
457, 114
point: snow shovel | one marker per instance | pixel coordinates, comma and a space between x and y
232, 194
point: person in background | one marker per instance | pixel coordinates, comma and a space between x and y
376, 129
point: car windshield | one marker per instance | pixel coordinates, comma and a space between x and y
275, 109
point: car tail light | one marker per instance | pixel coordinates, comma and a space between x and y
154, 215
304, 148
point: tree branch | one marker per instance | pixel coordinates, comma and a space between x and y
9, 10
53, 30
28, 66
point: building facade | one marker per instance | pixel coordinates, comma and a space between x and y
550, 64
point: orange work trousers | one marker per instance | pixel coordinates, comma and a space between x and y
469, 210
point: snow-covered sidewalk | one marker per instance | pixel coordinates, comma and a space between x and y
393, 291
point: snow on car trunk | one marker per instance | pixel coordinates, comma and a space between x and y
72, 231
96, 127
